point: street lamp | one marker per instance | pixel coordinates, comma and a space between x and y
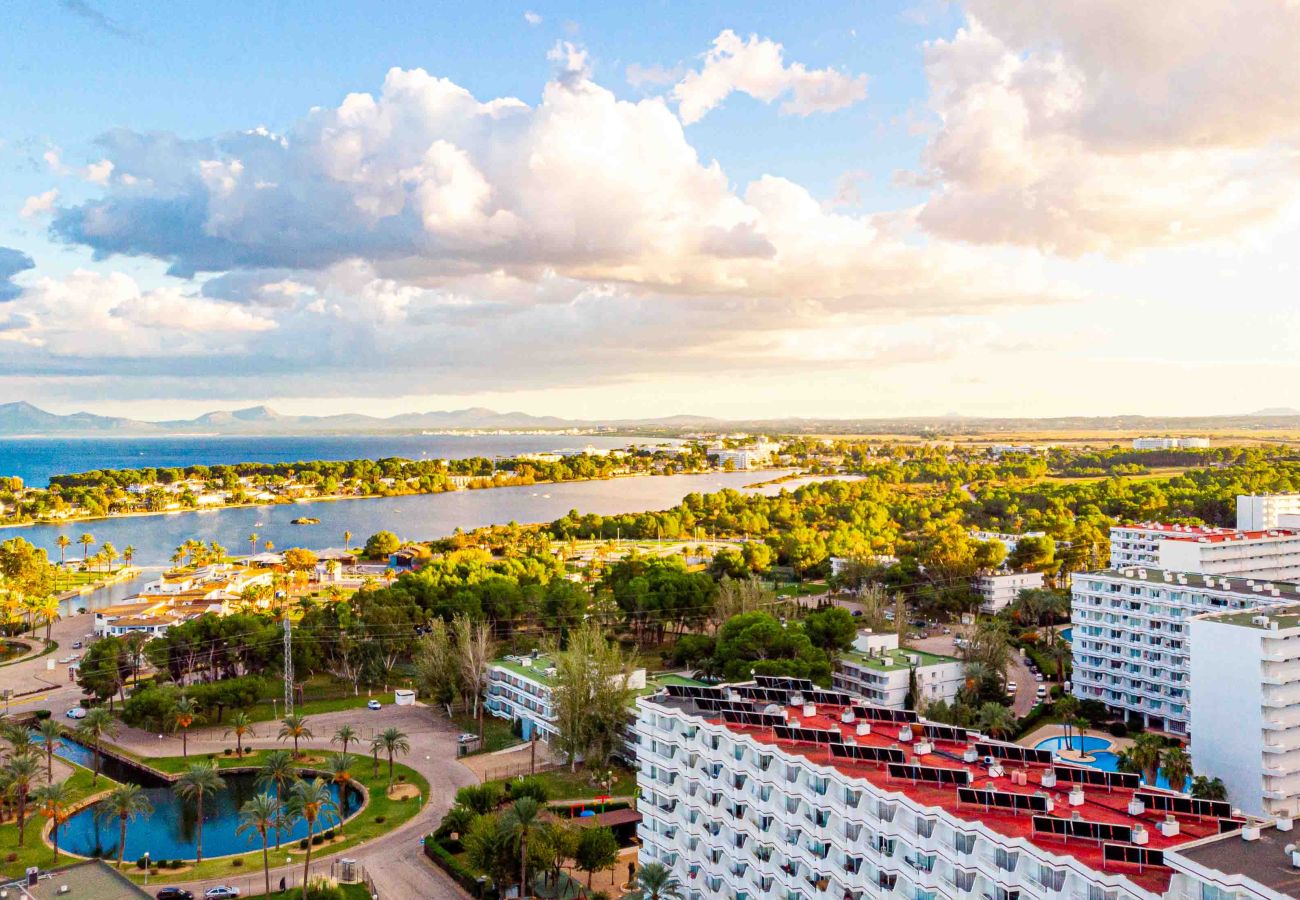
146, 867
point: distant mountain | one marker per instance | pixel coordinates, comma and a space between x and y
22, 419
1277, 411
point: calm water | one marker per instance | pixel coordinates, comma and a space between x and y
36, 459
417, 517
171, 832
1102, 758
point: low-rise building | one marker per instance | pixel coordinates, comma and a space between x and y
998, 590
1170, 443
884, 674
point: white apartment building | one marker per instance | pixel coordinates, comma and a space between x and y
881, 672
1010, 541
1168, 443
1131, 635
1260, 512
1269, 554
998, 590
1245, 714
820, 800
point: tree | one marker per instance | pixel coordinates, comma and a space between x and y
295, 726
126, 802
597, 850
278, 771
437, 666
260, 815
556, 842
97, 723
185, 714
995, 720
345, 735
198, 781
86, 540
832, 629
382, 544
308, 801
489, 848
589, 695
657, 882
521, 819
1177, 766
21, 773
394, 741
49, 612
474, 652
51, 734
296, 559
252, 551
1145, 754
1065, 710
740, 595
241, 724
339, 766
55, 803
1204, 788
62, 541
347, 540
757, 642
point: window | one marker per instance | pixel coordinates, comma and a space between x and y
1051, 879
963, 843
1006, 859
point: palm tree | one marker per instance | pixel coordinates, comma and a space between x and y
394, 741
55, 801
345, 735
128, 555
196, 782
339, 765
310, 800
295, 726
49, 613
23, 770
521, 819
50, 733
1204, 788
1065, 710
252, 543
126, 802
62, 542
85, 541
1145, 754
261, 814
110, 554
347, 540
277, 771
184, 715
19, 738
655, 882
1177, 766
995, 720
97, 723
240, 724
376, 744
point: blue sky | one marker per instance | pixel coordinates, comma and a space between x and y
859, 209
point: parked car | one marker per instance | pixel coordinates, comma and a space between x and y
1041, 692
466, 738
1011, 687
221, 892
373, 704
76, 645
76, 713
174, 893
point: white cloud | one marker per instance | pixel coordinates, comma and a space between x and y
757, 67
1106, 125
54, 160
39, 204
98, 172
532, 18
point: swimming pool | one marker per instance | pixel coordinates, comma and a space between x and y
1105, 759
1068, 634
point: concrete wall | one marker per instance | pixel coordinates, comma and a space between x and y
1226, 721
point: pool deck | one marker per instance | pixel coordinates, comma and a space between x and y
1054, 730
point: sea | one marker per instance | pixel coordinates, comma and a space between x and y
34, 460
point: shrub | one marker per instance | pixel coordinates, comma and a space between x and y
329, 835
11, 857
236, 862
230, 751
142, 862
317, 840
529, 786
1117, 729
401, 777
175, 863
302, 844
42, 714
325, 892
212, 757
379, 820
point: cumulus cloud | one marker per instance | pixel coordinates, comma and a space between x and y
532, 18
11, 263
98, 172
1105, 125
39, 204
54, 160
757, 67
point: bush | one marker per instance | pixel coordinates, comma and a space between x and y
175, 864
1117, 729
42, 715
529, 786
325, 892
329, 835
236, 862
401, 777
302, 844
212, 757
142, 862
379, 820
11, 857
230, 751
317, 840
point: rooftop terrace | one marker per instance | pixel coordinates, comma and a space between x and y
893, 660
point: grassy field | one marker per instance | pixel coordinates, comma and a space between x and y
498, 734
35, 852
565, 785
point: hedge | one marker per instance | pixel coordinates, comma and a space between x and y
443, 859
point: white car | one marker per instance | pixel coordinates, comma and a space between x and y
1041, 692
221, 892
76, 713
374, 704
1011, 687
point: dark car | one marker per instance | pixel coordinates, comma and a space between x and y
174, 893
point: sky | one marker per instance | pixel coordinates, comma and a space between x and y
595, 210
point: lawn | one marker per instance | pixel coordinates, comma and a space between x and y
35, 852
802, 589
498, 734
565, 785
265, 711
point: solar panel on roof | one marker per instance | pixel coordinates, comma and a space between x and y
1014, 753
945, 733
1097, 777
752, 719
883, 713
929, 774
1078, 828
784, 682
868, 754
1186, 805
1137, 856
808, 735
765, 695
827, 698
1003, 800
696, 692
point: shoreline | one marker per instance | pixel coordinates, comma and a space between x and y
331, 498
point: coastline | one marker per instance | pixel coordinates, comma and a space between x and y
330, 498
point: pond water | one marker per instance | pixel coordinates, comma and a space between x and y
171, 831
12, 650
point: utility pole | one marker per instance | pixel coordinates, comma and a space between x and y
288, 667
